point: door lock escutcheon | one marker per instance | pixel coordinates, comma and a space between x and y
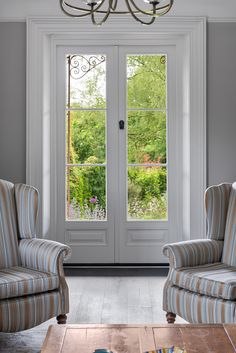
121, 124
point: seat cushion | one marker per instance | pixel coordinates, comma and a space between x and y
216, 280
19, 281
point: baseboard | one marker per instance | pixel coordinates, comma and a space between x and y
125, 265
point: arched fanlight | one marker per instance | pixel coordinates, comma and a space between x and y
105, 8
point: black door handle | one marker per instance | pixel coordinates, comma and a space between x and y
121, 124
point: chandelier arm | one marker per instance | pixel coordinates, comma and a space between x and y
113, 4
159, 14
133, 9
148, 12
133, 14
104, 18
88, 11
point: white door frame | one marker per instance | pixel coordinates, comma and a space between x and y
44, 35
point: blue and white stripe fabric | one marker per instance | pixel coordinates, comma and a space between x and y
216, 280
229, 252
9, 254
32, 283
42, 254
19, 281
201, 284
22, 313
27, 204
216, 205
193, 252
196, 308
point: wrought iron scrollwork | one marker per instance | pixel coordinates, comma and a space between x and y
163, 59
80, 65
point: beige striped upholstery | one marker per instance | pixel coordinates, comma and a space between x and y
42, 254
27, 200
32, 283
201, 284
194, 252
18, 281
216, 204
216, 280
229, 252
25, 312
196, 308
9, 255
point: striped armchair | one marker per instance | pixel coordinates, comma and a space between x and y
201, 284
32, 284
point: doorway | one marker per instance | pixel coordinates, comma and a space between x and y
116, 155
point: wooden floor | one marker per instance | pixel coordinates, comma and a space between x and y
116, 296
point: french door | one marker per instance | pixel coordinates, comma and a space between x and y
116, 152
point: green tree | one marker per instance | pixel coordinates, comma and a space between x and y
146, 139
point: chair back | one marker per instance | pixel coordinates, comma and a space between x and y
229, 250
27, 204
9, 255
216, 204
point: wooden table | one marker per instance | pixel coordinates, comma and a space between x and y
140, 338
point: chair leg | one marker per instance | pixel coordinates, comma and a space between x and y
170, 317
61, 319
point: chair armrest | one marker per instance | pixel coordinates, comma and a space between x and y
193, 253
43, 255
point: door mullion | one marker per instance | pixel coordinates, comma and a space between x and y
121, 224
113, 161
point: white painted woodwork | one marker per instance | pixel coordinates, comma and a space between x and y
188, 38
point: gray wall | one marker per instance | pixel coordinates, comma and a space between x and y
221, 107
12, 101
221, 102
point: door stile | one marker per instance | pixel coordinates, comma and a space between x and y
112, 147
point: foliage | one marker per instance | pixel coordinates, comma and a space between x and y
146, 144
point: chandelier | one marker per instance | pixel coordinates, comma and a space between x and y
100, 10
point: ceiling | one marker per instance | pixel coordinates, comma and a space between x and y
212, 9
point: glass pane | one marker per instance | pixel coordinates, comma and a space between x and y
86, 193
146, 77
85, 137
146, 137
86, 81
147, 193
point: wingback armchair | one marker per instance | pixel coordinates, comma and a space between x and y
32, 284
201, 284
